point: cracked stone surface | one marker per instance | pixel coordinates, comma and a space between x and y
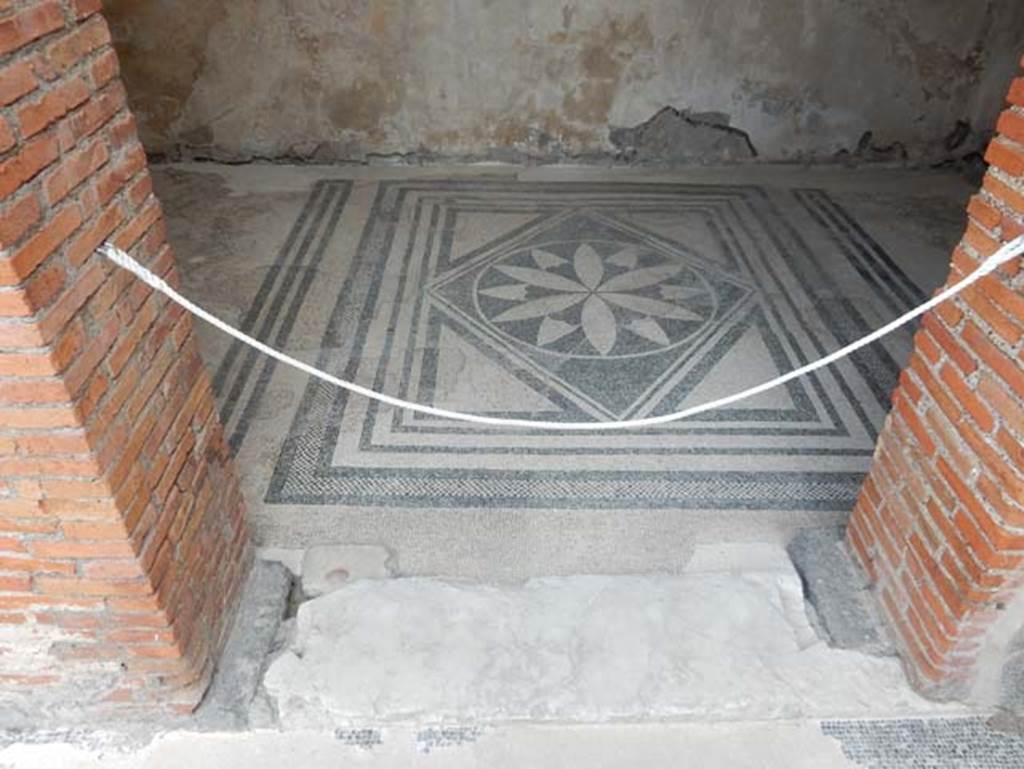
708, 645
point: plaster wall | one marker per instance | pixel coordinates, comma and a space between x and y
332, 80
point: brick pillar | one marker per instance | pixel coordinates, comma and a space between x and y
122, 543
939, 524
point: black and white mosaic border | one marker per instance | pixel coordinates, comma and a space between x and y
306, 454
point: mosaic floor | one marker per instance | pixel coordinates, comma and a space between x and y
580, 302
932, 743
557, 295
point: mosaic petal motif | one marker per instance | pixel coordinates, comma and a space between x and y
679, 293
589, 267
552, 330
650, 306
649, 329
627, 257
515, 292
541, 278
613, 282
634, 280
599, 324
546, 260
537, 308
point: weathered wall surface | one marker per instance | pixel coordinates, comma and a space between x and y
350, 79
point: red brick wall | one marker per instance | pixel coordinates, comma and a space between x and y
122, 543
939, 524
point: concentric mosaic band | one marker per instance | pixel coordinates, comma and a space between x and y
582, 301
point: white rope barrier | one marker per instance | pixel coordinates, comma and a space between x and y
1007, 253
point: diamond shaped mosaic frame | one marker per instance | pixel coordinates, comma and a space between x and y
809, 454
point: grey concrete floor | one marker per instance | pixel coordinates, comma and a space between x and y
266, 248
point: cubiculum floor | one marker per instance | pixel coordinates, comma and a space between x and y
565, 294
559, 294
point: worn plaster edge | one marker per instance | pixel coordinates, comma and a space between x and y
500, 155
962, 147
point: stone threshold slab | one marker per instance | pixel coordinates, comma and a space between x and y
727, 642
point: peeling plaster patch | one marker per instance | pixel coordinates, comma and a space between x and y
957, 136
868, 151
943, 73
681, 136
590, 101
787, 102
363, 106
435, 737
531, 135
162, 51
34, 654
604, 53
